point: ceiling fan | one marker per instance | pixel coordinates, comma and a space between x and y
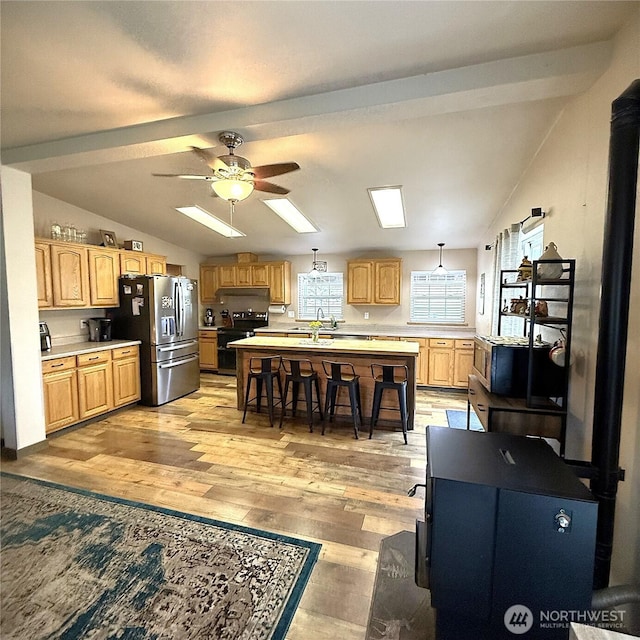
233, 177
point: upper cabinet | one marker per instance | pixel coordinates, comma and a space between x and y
374, 281
70, 275
80, 275
275, 275
104, 271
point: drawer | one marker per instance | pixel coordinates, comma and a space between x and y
441, 343
479, 400
95, 357
125, 352
464, 344
58, 364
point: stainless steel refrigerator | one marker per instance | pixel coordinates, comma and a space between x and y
162, 312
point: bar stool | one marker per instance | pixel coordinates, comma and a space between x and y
389, 376
263, 370
342, 374
300, 372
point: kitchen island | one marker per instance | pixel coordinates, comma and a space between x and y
361, 353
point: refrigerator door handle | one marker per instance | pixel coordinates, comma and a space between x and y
176, 347
177, 364
176, 306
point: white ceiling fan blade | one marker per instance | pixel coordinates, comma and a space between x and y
184, 176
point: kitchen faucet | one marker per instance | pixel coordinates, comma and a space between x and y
318, 312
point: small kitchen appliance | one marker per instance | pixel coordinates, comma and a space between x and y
45, 337
99, 329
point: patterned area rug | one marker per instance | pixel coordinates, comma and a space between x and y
79, 565
400, 610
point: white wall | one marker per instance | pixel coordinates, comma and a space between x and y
568, 178
21, 399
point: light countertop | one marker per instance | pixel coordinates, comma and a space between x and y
403, 331
78, 348
380, 347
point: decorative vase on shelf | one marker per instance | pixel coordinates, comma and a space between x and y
550, 271
525, 270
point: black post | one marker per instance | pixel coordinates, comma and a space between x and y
614, 318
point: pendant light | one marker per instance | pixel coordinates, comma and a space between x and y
318, 267
440, 270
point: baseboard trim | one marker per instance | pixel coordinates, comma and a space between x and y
15, 454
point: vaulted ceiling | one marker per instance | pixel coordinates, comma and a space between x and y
451, 100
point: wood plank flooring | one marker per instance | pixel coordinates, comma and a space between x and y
195, 455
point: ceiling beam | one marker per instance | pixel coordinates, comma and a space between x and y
524, 78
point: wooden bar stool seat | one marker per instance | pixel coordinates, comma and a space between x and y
394, 377
342, 374
300, 372
263, 371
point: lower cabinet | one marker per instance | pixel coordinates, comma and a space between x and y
208, 350
126, 375
450, 362
60, 382
77, 388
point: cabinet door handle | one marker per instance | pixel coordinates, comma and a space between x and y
472, 392
95, 358
60, 364
481, 406
124, 353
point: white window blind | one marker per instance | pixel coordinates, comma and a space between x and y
438, 298
324, 291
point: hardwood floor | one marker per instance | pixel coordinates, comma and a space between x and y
195, 455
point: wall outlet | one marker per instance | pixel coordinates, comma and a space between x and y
84, 324
366, 315
291, 314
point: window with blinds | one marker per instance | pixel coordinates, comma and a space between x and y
324, 291
438, 298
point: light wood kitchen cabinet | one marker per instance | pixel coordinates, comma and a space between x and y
374, 281
126, 375
252, 275
387, 279
360, 282
155, 265
208, 283
133, 263
138, 263
70, 275
280, 282
43, 275
440, 372
227, 275
95, 384
462, 362
208, 350
104, 271
60, 386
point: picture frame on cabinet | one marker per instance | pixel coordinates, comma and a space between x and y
109, 239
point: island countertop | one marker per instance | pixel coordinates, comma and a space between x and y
329, 346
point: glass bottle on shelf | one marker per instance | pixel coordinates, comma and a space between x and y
56, 231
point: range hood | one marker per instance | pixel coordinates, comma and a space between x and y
243, 291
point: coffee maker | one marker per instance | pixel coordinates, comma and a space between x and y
99, 329
45, 337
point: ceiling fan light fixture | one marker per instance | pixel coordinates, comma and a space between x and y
440, 270
209, 220
290, 214
232, 188
389, 207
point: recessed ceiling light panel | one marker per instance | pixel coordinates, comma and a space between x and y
209, 220
290, 214
388, 205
